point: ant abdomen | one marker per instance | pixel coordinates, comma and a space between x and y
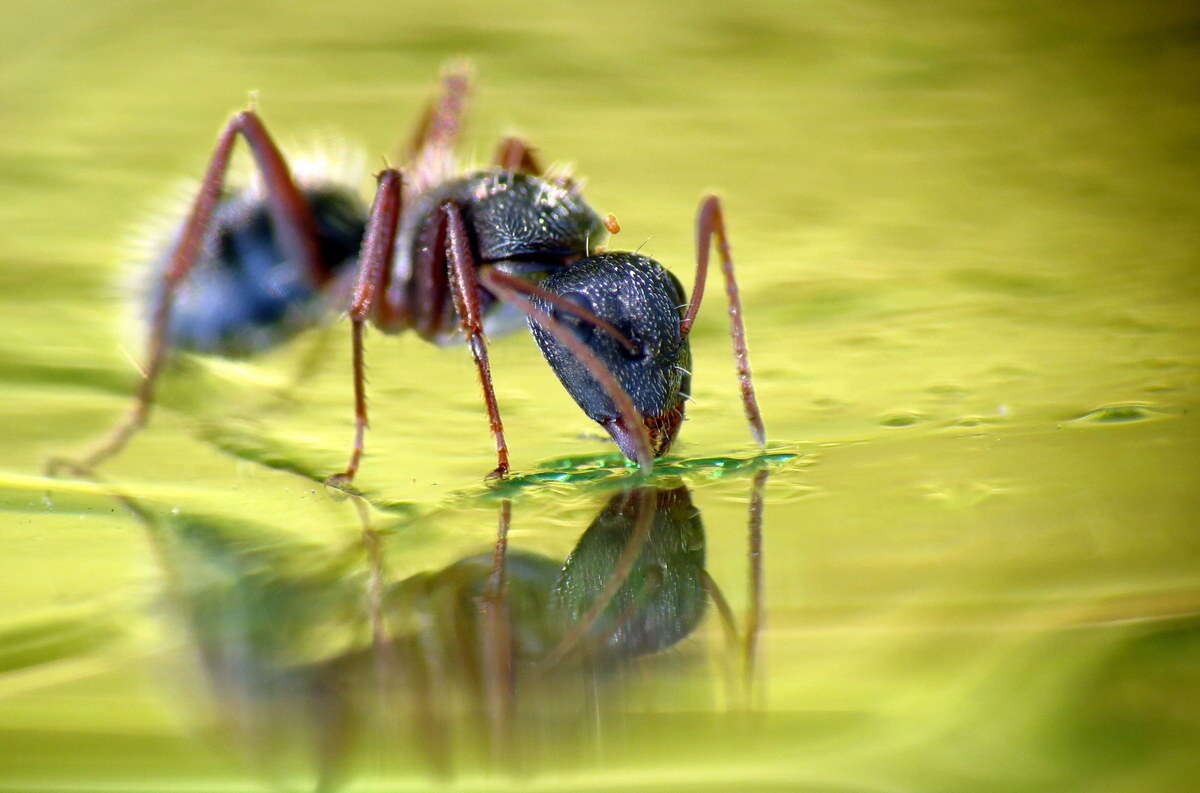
245, 294
643, 301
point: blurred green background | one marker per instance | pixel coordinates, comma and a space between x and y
969, 235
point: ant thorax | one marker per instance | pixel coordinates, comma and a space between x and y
523, 224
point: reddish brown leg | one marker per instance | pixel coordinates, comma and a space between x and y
514, 154
293, 223
442, 119
464, 286
710, 222
430, 152
500, 284
374, 262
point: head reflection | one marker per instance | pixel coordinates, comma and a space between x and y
316, 664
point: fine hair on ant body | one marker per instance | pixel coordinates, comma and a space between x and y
438, 253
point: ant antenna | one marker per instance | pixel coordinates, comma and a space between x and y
646, 242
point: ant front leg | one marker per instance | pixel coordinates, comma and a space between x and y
710, 222
464, 287
374, 266
297, 232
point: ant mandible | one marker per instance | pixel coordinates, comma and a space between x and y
439, 253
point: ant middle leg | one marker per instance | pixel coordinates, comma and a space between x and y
710, 222
297, 232
375, 263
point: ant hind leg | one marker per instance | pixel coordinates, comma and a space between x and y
292, 217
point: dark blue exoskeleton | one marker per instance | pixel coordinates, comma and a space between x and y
245, 294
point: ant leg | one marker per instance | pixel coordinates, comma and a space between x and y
430, 152
514, 154
441, 121
500, 284
375, 260
293, 221
464, 287
497, 642
710, 222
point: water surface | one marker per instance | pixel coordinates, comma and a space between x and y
968, 242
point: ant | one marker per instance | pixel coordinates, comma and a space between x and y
438, 253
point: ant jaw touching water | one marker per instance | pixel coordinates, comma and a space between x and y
439, 254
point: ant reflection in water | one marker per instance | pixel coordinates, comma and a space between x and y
315, 662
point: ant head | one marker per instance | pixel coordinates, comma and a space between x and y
642, 300
518, 216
